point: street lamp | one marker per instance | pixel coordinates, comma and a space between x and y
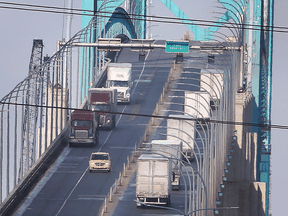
206, 151
211, 184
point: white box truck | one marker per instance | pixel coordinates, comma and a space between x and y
119, 76
182, 130
153, 180
197, 104
170, 148
211, 80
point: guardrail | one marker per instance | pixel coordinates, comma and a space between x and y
34, 175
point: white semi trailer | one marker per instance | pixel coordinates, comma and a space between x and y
197, 104
182, 130
153, 180
172, 149
211, 80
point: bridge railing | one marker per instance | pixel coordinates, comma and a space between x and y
35, 113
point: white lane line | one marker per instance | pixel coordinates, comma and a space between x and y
141, 72
121, 147
43, 182
81, 178
72, 191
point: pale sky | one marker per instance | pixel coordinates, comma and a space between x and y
19, 28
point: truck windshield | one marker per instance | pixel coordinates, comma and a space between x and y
100, 107
119, 83
99, 157
77, 123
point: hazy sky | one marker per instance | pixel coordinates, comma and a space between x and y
19, 28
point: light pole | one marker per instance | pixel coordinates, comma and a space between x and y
206, 151
213, 159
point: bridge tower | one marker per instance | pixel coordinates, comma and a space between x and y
31, 112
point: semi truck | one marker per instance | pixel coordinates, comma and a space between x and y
119, 76
153, 180
171, 149
103, 101
197, 104
179, 129
84, 126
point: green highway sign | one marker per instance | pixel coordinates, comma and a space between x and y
177, 46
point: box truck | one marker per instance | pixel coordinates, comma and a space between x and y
211, 80
182, 129
119, 76
172, 149
197, 104
153, 180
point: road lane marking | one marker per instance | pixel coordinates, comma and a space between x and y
43, 182
121, 147
72, 191
143, 81
91, 197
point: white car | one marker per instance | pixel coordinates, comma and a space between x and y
100, 161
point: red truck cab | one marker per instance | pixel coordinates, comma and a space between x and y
84, 125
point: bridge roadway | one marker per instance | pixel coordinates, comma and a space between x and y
68, 188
